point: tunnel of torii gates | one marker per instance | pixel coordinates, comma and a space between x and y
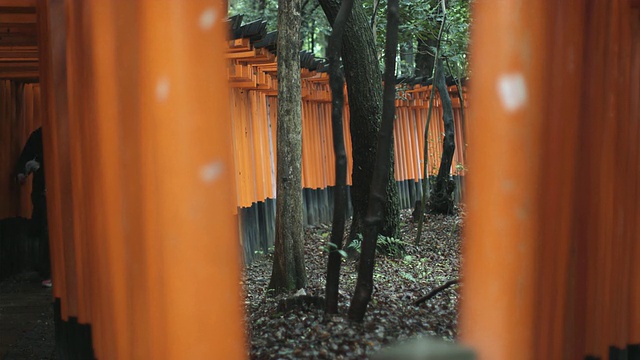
141, 175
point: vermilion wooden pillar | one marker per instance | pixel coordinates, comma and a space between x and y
164, 130
504, 157
552, 238
633, 319
140, 178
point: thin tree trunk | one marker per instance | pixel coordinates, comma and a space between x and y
336, 79
425, 181
374, 20
288, 263
364, 80
462, 112
441, 200
364, 284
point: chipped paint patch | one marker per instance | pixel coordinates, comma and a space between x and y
512, 91
207, 19
163, 87
508, 185
212, 171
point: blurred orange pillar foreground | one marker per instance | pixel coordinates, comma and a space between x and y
141, 182
551, 247
499, 251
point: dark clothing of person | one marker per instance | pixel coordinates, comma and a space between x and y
33, 150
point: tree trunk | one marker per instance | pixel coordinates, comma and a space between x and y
261, 6
407, 66
288, 263
339, 205
364, 284
364, 86
442, 195
424, 56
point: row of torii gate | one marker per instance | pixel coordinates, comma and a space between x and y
139, 177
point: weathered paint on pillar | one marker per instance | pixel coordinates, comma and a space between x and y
505, 147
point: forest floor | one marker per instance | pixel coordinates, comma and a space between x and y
26, 315
305, 332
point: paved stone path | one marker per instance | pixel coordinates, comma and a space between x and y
26, 319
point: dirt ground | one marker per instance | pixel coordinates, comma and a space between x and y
26, 319
305, 332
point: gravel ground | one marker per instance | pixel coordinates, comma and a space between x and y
26, 319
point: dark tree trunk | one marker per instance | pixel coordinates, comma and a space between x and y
424, 56
261, 6
375, 211
288, 262
364, 86
441, 200
336, 80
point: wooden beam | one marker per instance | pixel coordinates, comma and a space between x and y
18, 40
18, 66
18, 29
19, 18
18, 3
19, 48
19, 75
251, 55
18, 54
18, 59
239, 45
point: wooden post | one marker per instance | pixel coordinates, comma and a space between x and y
504, 127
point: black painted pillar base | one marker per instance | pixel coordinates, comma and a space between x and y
633, 351
617, 353
73, 340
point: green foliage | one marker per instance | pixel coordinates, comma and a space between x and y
385, 244
333, 247
356, 244
314, 30
419, 19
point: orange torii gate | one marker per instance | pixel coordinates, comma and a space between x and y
252, 76
140, 176
140, 179
552, 244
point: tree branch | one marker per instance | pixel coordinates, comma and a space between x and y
425, 173
435, 291
336, 82
375, 13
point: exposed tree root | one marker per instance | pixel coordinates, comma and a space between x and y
435, 291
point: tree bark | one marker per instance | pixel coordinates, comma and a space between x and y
442, 195
375, 211
336, 80
364, 87
261, 6
288, 263
424, 56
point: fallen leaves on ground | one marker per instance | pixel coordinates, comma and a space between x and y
307, 332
